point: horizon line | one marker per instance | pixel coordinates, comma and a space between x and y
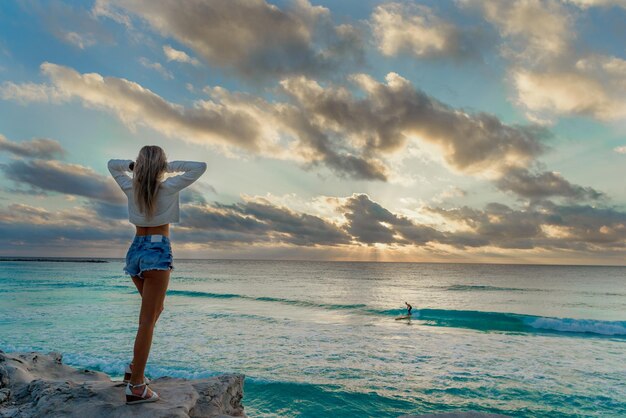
70, 259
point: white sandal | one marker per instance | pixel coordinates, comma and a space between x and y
132, 398
129, 371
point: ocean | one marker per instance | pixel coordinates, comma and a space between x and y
320, 339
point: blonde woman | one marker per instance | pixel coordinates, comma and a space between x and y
152, 205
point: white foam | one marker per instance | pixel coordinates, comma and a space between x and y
580, 325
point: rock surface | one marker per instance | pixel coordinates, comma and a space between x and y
39, 385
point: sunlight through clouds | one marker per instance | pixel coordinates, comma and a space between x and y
464, 129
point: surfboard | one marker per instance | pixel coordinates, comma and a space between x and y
403, 317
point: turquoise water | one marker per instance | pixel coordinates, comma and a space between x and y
318, 339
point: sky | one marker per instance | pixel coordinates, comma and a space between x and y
414, 131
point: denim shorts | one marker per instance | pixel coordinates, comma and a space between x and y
149, 252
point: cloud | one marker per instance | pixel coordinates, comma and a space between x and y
180, 56
417, 30
594, 87
157, 67
546, 226
103, 8
258, 220
35, 148
62, 177
620, 150
108, 210
134, 104
541, 185
371, 223
255, 222
80, 41
585, 4
352, 134
70, 24
537, 29
253, 37
389, 114
78, 226
230, 119
194, 195
30, 92
551, 74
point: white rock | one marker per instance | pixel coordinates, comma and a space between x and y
39, 385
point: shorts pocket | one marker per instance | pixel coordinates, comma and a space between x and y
156, 257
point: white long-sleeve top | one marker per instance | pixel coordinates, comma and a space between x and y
168, 201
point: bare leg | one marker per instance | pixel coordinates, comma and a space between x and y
139, 284
153, 294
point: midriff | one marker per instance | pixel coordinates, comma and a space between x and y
153, 230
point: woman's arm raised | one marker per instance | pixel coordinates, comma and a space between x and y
192, 172
118, 169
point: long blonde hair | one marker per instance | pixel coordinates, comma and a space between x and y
148, 171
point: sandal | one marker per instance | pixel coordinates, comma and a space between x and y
129, 371
132, 398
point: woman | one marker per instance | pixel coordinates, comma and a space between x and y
152, 206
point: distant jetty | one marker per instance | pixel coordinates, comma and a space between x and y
55, 259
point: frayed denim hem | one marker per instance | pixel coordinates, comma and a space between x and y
170, 268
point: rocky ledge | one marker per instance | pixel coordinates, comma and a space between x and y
40, 385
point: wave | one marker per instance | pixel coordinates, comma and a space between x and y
486, 288
512, 322
613, 328
196, 294
478, 320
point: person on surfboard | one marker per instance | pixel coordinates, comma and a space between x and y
408, 307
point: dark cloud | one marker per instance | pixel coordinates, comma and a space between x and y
255, 38
323, 147
383, 120
297, 228
541, 185
13, 233
263, 219
388, 114
232, 119
350, 133
193, 195
370, 223
34, 148
62, 177
588, 224
221, 219
496, 225
116, 211
23, 224
546, 225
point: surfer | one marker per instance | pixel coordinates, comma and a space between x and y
408, 307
